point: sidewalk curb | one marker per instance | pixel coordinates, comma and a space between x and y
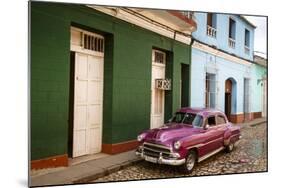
258, 123
245, 125
106, 171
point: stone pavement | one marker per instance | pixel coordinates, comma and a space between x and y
104, 167
250, 155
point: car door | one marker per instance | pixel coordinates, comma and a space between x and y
221, 128
210, 136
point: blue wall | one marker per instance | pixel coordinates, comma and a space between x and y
221, 41
203, 62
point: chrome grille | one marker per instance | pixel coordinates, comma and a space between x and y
154, 150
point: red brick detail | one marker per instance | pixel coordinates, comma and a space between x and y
236, 118
119, 147
239, 118
50, 162
257, 115
182, 17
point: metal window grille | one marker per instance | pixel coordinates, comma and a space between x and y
163, 84
159, 57
92, 42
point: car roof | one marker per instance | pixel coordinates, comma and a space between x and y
201, 111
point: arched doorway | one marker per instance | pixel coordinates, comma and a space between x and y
230, 97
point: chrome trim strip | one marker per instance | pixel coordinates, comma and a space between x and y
235, 135
210, 154
174, 162
155, 150
200, 145
195, 146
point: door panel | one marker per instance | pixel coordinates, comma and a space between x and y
209, 139
87, 128
212, 137
82, 66
157, 97
184, 85
227, 105
81, 96
79, 145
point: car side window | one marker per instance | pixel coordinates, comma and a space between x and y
220, 120
212, 121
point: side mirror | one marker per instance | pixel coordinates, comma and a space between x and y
206, 126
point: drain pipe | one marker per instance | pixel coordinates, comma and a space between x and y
174, 39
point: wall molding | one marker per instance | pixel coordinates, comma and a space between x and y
128, 17
205, 48
119, 147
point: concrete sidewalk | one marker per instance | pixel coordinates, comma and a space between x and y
93, 169
86, 171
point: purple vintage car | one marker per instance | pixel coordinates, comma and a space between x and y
191, 136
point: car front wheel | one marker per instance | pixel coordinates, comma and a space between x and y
230, 147
190, 162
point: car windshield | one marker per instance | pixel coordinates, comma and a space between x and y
188, 118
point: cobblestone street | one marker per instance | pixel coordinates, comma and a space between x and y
249, 156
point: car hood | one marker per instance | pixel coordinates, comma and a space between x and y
169, 133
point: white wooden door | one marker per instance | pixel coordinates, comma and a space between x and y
157, 95
88, 97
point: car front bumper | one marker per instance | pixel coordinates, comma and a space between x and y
161, 160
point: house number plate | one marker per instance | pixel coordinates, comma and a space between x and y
151, 159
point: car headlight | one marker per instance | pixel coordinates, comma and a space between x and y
140, 137
177, 144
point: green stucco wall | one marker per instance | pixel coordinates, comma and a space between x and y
258, 72
127, 75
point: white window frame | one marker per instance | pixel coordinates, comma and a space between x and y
80, 46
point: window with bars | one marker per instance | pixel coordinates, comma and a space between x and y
210, 91
159, 57
232, 33
94, 43
247, 41
87, 40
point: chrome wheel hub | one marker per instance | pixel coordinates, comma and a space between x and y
231, 146
190, 161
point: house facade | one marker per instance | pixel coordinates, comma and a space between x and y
261, 73
223, 72
101, 75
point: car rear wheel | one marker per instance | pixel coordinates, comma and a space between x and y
230, 147
190, 162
